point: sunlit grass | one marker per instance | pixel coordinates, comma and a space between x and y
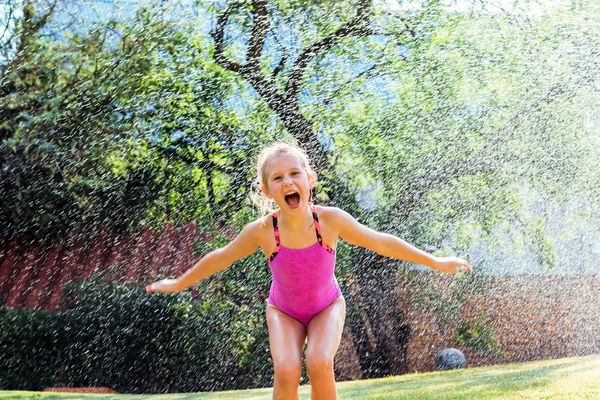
567, 378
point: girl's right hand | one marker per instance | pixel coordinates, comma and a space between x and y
451, 265
164, 286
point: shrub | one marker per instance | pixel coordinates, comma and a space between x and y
117, 335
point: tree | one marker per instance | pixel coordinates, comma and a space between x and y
470, 124
280, 85
431, 113
422, 52
113, 125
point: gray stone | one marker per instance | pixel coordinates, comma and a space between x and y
450, 359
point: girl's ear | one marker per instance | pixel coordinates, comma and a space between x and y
266, 192
312, 179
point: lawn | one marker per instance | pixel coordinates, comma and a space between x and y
567, 378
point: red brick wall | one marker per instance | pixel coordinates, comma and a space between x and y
31, 275
534, 318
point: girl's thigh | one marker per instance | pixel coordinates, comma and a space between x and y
286, 337
325, 329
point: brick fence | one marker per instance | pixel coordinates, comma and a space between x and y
31, 275
534, 317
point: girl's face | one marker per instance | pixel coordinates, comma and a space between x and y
288, 183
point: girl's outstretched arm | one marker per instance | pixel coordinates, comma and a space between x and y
217, 260
391, 246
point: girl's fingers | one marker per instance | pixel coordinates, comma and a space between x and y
164, 286
453, 265
459, 262
466, 265
153, 287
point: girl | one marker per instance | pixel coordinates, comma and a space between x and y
305, 304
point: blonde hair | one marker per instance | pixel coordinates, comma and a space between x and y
265, 157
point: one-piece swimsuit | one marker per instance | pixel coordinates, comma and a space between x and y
303, 279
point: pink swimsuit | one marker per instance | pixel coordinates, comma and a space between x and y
303, 281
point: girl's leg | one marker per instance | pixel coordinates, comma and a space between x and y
324, 335
286, 338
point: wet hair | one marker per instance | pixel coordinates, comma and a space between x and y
265, 157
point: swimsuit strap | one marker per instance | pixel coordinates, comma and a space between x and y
277, 240
318, 231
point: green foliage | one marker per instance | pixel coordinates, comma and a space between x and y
68, 114
542, 245
478, 336
463, 115
117, 335
446, 299
441, 119
120, 126
28, 348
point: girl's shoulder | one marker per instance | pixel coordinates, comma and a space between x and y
261, 225
334, 216
257, 231
329, 214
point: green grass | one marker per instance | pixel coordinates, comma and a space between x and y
567, 378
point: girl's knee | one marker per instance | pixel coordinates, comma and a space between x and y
288, 370
318, 365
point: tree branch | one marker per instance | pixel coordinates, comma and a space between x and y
405, 21
7, 26
42, 21
218, 34
281, 64
357, 27
283, 60
372, 71
259, 32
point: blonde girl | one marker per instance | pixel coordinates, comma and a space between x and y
298, 238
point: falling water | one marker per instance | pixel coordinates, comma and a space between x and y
129, 129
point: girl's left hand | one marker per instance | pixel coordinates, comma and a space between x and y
451, 265
164, 286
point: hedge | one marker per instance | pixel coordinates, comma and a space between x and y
117, 335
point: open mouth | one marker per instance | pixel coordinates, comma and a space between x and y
292, 199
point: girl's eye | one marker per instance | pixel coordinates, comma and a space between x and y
277, 177
295, 173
